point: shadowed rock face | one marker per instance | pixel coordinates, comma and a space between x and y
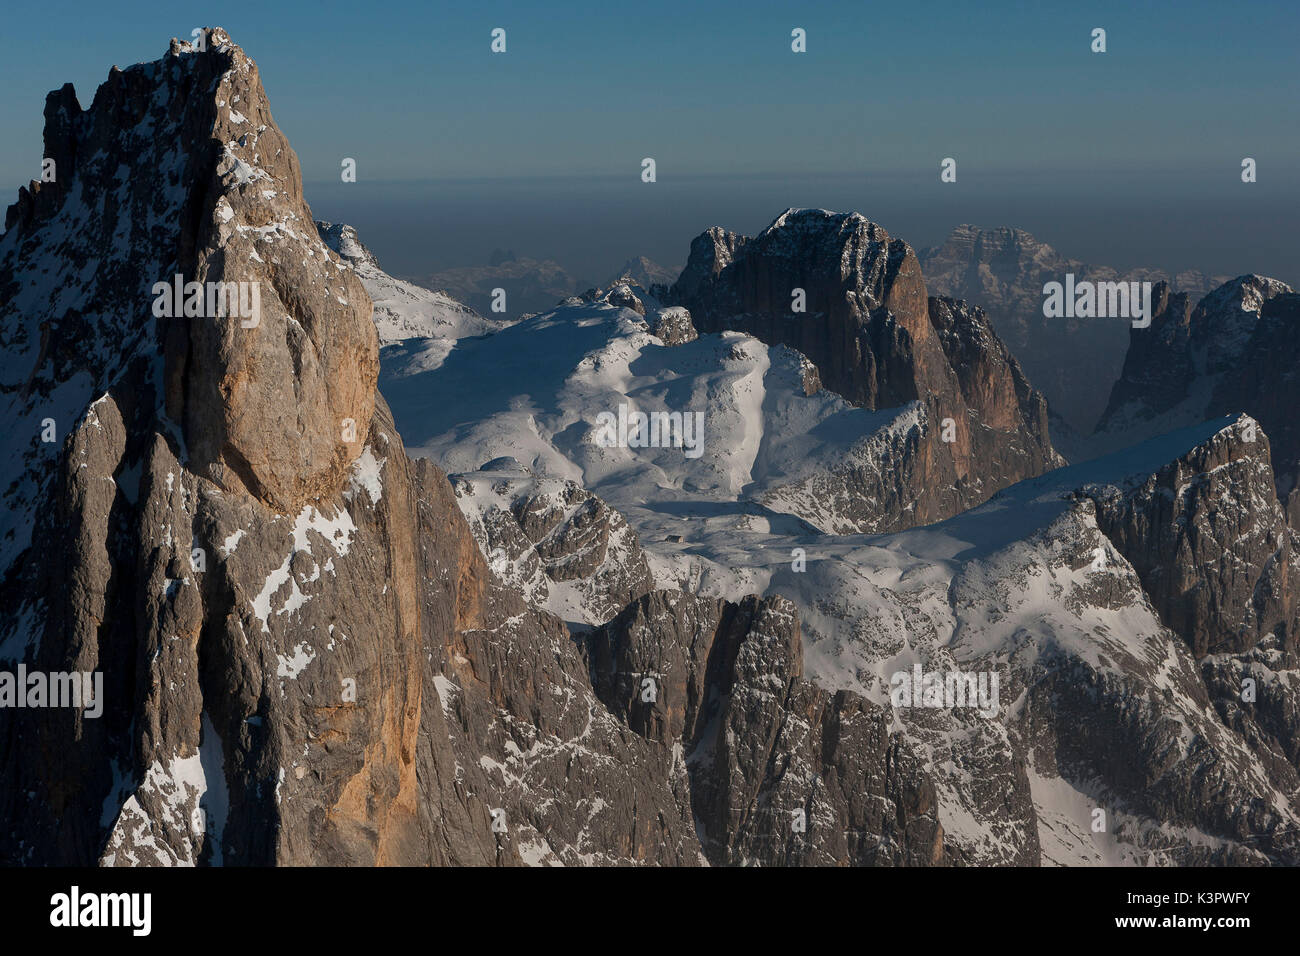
1003, 270
1210, 542
305, 657
1263, 382
1007, 418
866, 325
1158, 365
1233, 351
722, 684
877, 339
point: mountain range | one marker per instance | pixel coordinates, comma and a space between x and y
1074, 361
374, 575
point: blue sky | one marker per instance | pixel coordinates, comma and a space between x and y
412, 91
1131, 157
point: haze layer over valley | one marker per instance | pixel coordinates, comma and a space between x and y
775, 563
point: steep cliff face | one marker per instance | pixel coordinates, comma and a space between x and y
866, 324
224, 523
1006, 417
306, 658
1210, 541
1158, 366
296, 632
1003, 270
782, 772
1232, 351
879, 341
1262, 381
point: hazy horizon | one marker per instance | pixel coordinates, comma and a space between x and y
1126, 158
592, 226
792, 565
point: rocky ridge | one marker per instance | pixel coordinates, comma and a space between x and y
877, 339
311, 655
403, 310
1072, 361
1233, 350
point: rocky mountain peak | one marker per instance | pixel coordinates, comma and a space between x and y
644, 272
989, 244
595, 648
211, 480
848, 268
843, 292
1003, 270
1229, 351
1209, 539
178, 169
343, 239
1225, 318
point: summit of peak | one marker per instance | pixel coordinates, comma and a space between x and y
178, 175
207, 40
815, 217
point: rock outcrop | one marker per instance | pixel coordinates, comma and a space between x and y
1210, 542
1072, 361
1233, 351
1158, 366
782, 772
558, 546
1006, 417
865, 324
842, 291
673, 324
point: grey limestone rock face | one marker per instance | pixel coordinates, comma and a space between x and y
1003, 271
1210, 541
1232, 351
317, 650
876, 338
782, 772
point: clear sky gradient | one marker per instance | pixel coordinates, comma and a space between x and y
713, 92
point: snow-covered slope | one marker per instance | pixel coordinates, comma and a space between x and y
536, 392
1027, 586
403, 310
561, 548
